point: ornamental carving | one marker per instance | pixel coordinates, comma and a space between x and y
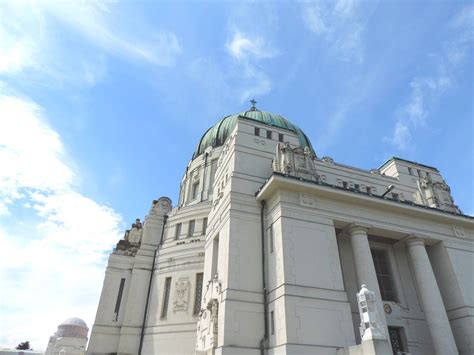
131, 240
459, 231
296, 162
181, 294
208, 323
160, 207
437, 194
306, 200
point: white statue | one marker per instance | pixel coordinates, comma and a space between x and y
371, 326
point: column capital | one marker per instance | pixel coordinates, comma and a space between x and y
412, 240
354, 228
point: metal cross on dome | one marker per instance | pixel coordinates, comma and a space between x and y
253, 102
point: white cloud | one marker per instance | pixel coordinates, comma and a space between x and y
31, 39
401, 136
94, 20
53, 238
340, 25
241, 47
427, 91
248, 52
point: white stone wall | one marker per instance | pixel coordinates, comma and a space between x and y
311, 276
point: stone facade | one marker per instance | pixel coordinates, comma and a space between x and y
267, 250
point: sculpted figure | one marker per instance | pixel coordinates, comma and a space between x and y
137, 224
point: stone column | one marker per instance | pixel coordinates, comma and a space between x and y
364, 267
363, 262
430, 296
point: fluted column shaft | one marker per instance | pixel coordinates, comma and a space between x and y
430, 297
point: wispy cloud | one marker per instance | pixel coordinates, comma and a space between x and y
340, 25
242, 47
247, 53
95, 21
31, 38
53, 257
427, 91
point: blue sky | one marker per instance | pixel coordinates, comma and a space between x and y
102, 104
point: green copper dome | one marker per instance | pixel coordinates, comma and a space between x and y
217, 134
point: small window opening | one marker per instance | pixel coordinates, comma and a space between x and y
204, 226
191, 228
269, 134
280, 137
166, 297
198, 293
195, 190
270, 233
256, 131
215, 256
119, 300
177, 231
272, 322
395, 335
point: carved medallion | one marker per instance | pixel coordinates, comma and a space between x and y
387, 308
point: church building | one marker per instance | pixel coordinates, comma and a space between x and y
272, 249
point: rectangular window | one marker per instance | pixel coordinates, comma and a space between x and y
384, 274
213, 174
410, 171
269, 134
195, 190
191, 228
280, 137
204, 226
177, 231
257, 131
419, 173
357, 187
270, 235
215, 256
119, 300
166, 297
369, 190
198, 293
395, 196
395, 334
272, 323
345, 184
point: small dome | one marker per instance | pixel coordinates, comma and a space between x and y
75, 321
217, 134
72, 328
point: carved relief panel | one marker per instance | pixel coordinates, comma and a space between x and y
181, 294
295, 161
